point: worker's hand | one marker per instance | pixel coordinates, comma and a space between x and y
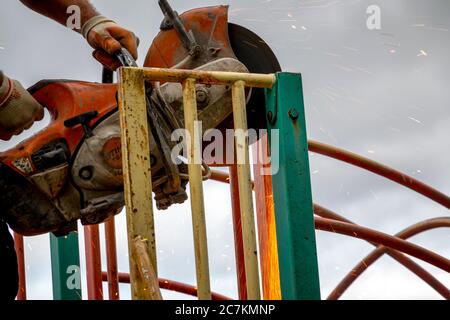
107, 37
18, 109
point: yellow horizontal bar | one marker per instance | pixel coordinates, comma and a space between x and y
209, 77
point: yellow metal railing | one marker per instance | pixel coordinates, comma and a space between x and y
137, 172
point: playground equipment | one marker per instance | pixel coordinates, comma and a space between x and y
285, 214
279, 261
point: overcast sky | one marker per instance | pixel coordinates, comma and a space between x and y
382, 94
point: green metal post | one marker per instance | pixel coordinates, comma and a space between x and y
299, 273
65, 256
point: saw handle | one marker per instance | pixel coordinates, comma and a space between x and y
84, 120
172, 20
125, 58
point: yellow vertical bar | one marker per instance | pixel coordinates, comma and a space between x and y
196, 190
137, 175
245, 191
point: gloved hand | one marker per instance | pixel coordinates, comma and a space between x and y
107, 37
18, 109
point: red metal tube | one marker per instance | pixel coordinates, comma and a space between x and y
369, 165
237, 227
392, 175
220, 176
381, 170
111, 259
380, 238
371, 258
223, 177
265, 214
18, 243
404, 260
93, 262
169, 285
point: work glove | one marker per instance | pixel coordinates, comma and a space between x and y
18, 109
107, 37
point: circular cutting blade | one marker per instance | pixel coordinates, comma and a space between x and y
257, 56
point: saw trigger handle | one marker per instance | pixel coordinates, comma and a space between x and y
84, 120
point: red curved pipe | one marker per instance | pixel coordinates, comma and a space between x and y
398, 256
392, 175
407, 262
369, 165
383, 239
382, 170
420, 227
169, 285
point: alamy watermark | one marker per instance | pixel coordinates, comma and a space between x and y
74, 20
228, 147
73, 281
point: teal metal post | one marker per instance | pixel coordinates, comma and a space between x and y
299, 273
65, 256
